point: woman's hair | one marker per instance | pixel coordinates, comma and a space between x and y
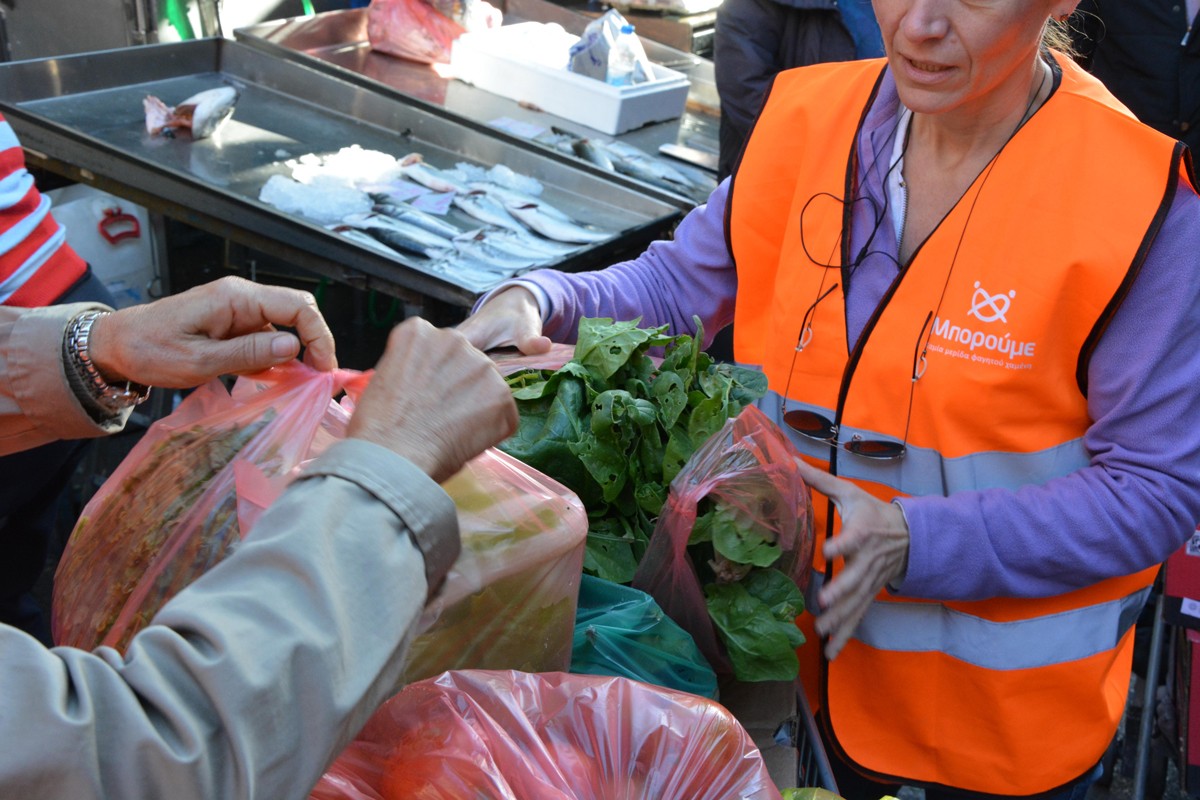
1057, 36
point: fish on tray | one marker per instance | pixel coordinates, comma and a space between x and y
509, 197
400, 235
480, 248
406, 213
553, 227
487, 209
413, 167
202, 113
363, 238
524, 243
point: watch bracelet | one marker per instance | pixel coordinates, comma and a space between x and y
109, 398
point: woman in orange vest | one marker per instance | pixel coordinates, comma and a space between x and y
970, 276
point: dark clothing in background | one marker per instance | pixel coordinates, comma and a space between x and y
754, 40
1142, 51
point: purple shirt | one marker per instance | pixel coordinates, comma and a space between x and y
1135, 504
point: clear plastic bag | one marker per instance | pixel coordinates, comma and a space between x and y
731, 551
171, 509
512, 735
425, 30
509, 599
621, 631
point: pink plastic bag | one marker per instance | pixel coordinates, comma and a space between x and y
553, 736
171, 509
748, 469
425, 30
200, 478
509, 599
510, 361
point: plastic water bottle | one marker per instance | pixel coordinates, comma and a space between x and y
622, 58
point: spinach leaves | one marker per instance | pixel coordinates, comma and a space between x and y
615, 427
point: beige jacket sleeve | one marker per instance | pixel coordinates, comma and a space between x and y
36, 401
253, 678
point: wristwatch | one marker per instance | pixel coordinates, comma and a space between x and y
110, 399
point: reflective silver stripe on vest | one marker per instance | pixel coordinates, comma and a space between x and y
1023, 644
924, 471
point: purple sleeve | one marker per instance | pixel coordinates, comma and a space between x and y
1139, 499
691, 274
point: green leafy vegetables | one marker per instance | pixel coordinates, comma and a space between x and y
616, 428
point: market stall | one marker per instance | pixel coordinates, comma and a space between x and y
337, 43
311, 94
82, 116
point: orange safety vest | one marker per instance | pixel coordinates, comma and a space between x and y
1008, 696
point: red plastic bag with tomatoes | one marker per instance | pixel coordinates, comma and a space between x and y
552, 736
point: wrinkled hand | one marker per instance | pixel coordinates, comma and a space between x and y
221, 328
435, 400
511, 318
873, 541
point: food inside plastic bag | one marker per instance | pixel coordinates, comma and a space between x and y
517, 736
425, 30
170, 510
615, 424
731, 552
621, 631
200, 477
509, 599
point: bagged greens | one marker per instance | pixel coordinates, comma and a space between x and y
726, 551
730, 556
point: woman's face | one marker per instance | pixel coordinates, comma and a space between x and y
963, 55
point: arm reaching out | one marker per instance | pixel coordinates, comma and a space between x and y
511, 317
219, 328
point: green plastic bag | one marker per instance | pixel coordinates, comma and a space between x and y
622, 632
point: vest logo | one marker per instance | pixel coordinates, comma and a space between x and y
984, 346
990, 307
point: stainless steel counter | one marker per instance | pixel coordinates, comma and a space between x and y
336, 43
82, 116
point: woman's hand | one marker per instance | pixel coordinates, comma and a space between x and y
221, 328
873, 541
511, 318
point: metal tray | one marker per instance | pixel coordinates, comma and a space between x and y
336, 43
82, 116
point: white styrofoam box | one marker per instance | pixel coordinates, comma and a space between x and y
125, 266
519, 61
